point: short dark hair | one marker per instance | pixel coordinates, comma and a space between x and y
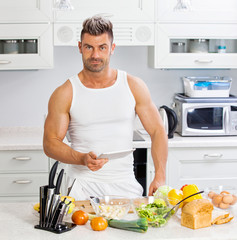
97, 25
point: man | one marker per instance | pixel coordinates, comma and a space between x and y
97, 107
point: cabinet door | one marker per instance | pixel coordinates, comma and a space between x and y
205, 167
191, 54
15, 11
208, 11
124, 34
26, 46
122, 11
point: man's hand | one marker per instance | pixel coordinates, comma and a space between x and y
92, 163
154, 186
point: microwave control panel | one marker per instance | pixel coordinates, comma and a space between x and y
233, 118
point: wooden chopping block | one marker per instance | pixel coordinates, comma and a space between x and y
85, 205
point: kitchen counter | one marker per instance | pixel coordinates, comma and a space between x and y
31, 138
18, 219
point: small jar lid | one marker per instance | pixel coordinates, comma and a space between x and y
199, 40
31, 40
221, 47
10, 41
179, 43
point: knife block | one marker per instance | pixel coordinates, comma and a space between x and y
55, 223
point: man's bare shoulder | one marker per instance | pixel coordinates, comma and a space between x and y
138, 87
62, 96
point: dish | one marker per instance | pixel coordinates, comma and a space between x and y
111, 207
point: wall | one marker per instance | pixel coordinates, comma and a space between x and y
25, 94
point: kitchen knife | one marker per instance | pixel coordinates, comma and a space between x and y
56, 197
70, 188
50, 190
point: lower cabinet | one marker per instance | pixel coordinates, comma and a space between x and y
22, 172
208, 167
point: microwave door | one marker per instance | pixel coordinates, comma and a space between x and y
205, 120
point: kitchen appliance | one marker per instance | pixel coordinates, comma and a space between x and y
169, 119
206, 116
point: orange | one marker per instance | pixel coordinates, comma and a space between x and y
80, 217
99, 224
174, 196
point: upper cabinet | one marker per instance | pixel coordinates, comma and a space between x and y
196, 35
133, 21
25, 11
194, 46
202, 11
117, 11
26, 46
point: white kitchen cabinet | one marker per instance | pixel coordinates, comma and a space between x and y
134, 34
25, 11
162, 54
207, 167
22, 172
26, 46
207, 11
117, 11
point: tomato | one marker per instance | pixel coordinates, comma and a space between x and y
183, 187
80, 217
99, 224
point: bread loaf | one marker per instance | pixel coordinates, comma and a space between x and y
197, 214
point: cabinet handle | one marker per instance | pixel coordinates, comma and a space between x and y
5, 62
203, 61
22, 158
213, 155
22, 181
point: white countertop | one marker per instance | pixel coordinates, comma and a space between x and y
18, 219
31, 138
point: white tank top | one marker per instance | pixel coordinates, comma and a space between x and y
102, 121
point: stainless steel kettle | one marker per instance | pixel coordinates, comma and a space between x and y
170, 120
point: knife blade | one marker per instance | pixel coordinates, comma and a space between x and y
70, 188
56, 197
50, 190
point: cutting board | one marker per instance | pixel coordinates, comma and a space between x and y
85, 205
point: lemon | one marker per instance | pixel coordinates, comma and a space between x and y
37, 207
68, 199
174, 196
71, 207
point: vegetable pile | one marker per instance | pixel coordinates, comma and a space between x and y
154, 213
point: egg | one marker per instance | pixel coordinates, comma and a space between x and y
211, 194
223, 205
227, 199
217, 199
234, 199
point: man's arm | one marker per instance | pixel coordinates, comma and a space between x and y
55, 129
152, 122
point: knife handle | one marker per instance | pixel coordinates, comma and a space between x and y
52, 174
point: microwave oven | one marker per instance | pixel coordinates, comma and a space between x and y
206, 116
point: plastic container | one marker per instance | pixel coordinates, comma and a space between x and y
207, 86
221, 197
112, 207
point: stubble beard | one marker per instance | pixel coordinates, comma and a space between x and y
95, 67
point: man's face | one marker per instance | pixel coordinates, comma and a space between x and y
96, 51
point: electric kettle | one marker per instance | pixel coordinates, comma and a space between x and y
169, 118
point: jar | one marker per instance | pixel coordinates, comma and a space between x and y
198, 45
178, 47
21, 46
1, 47
10, 47
31, 46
